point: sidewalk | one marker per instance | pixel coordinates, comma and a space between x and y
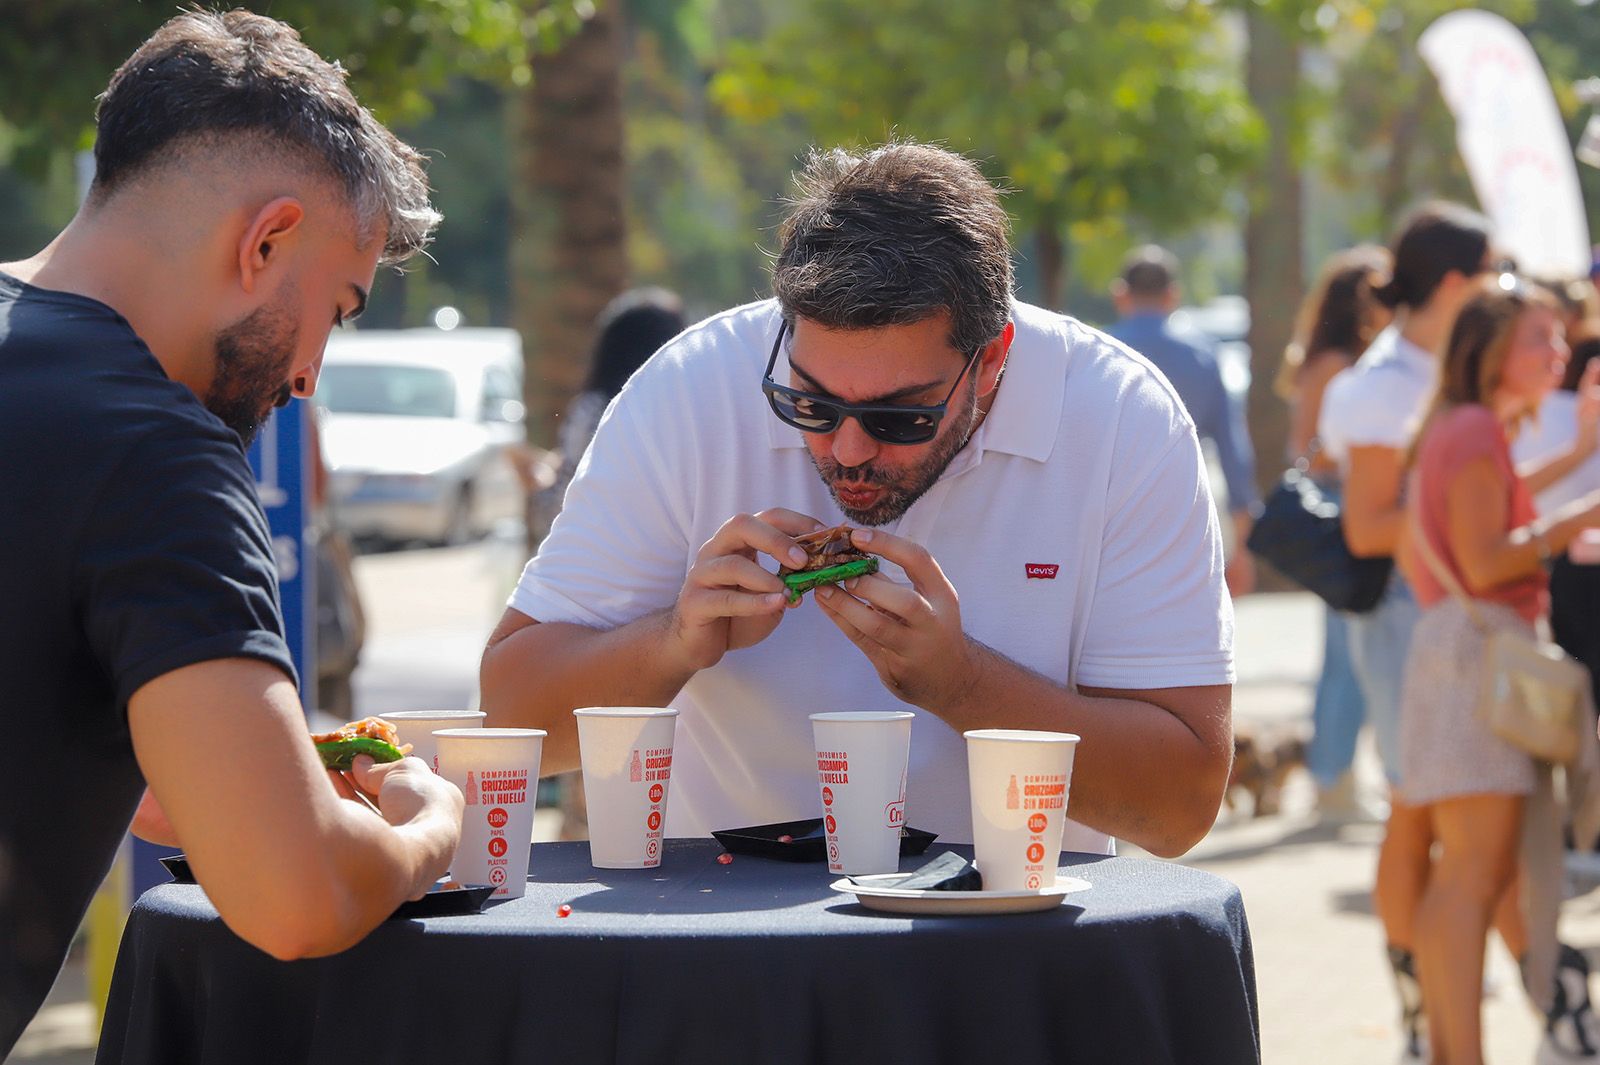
1322, 981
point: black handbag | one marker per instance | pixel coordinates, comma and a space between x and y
1299, 533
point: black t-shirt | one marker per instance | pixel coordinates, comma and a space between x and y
131, 543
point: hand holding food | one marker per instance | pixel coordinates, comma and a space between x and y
371, 736
728, 599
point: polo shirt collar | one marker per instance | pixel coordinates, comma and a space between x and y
1025, 417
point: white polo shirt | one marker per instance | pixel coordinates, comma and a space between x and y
1380, 401
1087, 468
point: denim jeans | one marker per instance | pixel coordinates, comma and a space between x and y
1339, 709
1379, 643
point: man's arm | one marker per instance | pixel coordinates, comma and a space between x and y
534, 675
291, 867
1154, 762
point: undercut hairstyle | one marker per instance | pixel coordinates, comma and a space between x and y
1434, 240
892, 236
207, 78
1149, 272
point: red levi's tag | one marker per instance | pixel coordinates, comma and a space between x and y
1042, 571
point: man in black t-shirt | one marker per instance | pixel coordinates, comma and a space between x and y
242, 202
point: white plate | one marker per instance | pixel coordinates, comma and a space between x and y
867, 891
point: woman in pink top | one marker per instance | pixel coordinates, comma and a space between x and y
1506, 352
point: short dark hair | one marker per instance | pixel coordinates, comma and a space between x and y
1149, 272
896, 235
208, 75
1433, 240
632, 327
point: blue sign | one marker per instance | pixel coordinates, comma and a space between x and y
281, 459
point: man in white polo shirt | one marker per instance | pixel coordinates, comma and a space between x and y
990, 450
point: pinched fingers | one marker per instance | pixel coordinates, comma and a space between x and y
731, 586
882, 629
926, 575
789, 521
897, 599
745, 534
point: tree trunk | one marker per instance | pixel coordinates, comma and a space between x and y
1274, 240
1052, 264
1396, 190
569, 253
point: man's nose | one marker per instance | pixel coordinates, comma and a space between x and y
852, 446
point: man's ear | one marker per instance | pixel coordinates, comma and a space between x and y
266, 238
993, 359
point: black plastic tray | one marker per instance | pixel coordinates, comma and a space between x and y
807, 843
440, 902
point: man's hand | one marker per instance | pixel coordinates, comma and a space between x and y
729, 600
912, 635
1240, 573
408, 791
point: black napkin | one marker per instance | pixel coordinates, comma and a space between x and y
948, 872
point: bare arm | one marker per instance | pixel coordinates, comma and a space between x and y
291, 867
1489, 556
1307, 407
535, 675
1373, 515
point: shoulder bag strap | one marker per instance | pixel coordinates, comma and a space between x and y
1435, 564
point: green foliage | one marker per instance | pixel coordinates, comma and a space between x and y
56, 55
1095, 113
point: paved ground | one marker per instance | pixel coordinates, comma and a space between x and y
1324, 989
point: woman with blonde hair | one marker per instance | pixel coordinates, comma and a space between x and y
1337, 322
1473, 527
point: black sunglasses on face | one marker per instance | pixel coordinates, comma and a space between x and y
887, 422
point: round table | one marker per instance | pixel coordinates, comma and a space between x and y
753, 961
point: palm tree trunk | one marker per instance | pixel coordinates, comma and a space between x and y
569, 251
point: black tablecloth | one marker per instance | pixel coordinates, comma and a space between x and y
755, 961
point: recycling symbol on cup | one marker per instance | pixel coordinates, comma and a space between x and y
497, 877
1033, 882
650, 848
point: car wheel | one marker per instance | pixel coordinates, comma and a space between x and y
459, 530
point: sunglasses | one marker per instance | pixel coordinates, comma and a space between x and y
886, 422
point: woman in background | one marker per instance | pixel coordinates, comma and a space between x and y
1477, 551
1337, 322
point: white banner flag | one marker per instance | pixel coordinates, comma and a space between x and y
1512, 139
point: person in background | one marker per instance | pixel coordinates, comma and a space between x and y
1369, 416
241, 203
1475, 533
1574, 583
629, 330
1337, 322
1146, 295
632, 328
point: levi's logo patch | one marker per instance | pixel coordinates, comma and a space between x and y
1044, 571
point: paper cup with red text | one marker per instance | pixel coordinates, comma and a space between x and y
1019, 782
417, 727
627, 769
861, 770
497, 770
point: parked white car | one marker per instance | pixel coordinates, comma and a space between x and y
419, 431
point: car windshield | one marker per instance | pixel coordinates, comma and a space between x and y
412, 391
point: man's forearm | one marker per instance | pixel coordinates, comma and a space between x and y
1141, 773
535, 676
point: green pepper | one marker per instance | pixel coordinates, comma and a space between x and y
805, 580
341, 754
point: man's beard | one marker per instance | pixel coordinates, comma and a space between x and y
253, 358
900, 490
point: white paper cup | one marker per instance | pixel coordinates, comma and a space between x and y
417, 727
861, 768
497, 770
627, 769
1019, 782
